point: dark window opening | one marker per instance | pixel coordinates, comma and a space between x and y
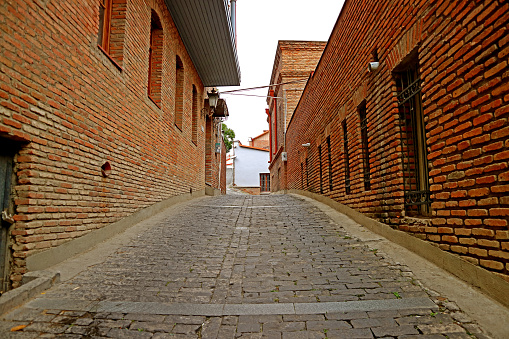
195, 116
179, 93
301, 175
346, 158
307, 173
320, 167
329, 158
364, 143
155, 60
413, 143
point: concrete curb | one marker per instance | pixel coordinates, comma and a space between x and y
33, 284
486, 281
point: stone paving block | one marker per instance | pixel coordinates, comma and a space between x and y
271, 335
303, 317
252, 326
229, 320
210, 328
394, 331
128, 334
172, 336
144, 317
291, 326
346, 315
354, 333
327, 324
46, 328
23, 335
441, 328
303, 335
150, 326
226, 332
425, 336
186, 329
373, 322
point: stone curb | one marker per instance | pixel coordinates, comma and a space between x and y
33, 284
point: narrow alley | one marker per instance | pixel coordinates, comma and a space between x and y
240, 267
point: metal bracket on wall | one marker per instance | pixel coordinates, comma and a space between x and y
7, 217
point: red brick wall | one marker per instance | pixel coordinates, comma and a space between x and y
294, 62
462, 49
72, 110
214, 161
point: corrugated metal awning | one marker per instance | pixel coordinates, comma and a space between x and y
206, 29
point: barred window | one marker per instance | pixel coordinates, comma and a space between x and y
364, 143
346, 158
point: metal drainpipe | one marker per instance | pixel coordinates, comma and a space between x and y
270, 134
284, 127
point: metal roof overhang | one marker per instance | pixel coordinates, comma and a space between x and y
206, 30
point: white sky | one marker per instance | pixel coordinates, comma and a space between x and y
260, 24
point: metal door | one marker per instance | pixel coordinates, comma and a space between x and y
265, 182
7, 151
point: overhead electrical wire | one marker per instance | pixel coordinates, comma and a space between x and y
266, 86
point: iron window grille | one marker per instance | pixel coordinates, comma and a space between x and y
320, 167
365, 147
329, 156
413, 144
347, 159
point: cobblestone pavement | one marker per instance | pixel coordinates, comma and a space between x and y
242, 267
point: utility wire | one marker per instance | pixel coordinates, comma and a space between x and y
272, 85
252, 95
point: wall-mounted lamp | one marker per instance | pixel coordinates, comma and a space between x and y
306, 145
213, 98
373, 66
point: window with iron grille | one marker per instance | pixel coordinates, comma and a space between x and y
329, 157
413, 143
320, 167
346, 158
307, 173
301, 175
364, 143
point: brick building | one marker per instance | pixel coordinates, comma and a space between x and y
293, 64
260, 141
420, 140
103, 114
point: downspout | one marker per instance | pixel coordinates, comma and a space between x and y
270, 134
275, 121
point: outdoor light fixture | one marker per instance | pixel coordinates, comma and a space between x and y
306, 145
213, 98
373, 66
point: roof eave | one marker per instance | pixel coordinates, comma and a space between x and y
206, 30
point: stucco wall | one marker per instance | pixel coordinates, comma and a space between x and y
249, 163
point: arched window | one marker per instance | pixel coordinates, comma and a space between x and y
155, 60
195, 116
179, 93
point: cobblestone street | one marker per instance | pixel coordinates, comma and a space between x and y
242, 267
